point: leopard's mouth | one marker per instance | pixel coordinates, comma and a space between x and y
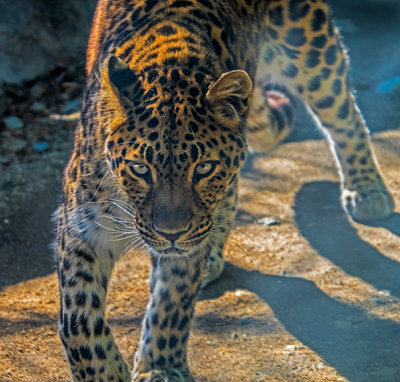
172, 250
175, 249
185, 245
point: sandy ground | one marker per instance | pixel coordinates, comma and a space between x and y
315, 297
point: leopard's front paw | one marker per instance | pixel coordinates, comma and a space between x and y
368, 203
168, 375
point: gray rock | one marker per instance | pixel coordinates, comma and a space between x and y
269, 220
41, 146
16, 145
13, 122
52, 31
72, 105
37, 106
389, 85
244, 321
37, 90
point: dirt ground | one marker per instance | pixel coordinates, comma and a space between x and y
307, 294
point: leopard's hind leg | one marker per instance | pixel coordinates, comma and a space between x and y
271, 113
304, 52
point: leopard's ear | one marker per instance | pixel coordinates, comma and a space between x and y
119, 87
228, 97
125, 82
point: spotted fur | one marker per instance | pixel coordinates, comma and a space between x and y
173, 88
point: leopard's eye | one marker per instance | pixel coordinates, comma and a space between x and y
204, 169
139, 169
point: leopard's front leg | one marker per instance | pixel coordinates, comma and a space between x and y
83, 273
161, 355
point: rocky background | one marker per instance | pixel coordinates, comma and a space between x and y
37, 35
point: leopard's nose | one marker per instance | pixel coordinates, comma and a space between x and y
171, 234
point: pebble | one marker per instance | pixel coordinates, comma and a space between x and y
234, 336
37, 106
13, 122
269, 220
380, 301
241, 292
71, 87
41, 146
290, 349
16, 145
37, 90
72, 105
64, 96
385, 292
388, 86
73, 117
244, 321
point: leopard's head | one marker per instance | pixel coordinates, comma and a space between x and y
175, 142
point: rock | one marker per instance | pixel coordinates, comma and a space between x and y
389, 85
71, 119
41, 146
37, 106
244, 321
13, 122
381, 301
16, 144
72, 105
241, 292
71, 87
52, 33
64, 96
212, 343
37, 90
269, 220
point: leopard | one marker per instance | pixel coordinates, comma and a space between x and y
177, 93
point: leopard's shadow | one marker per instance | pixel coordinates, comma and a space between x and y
326, 227
358, 345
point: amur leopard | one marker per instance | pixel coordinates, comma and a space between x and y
175, 91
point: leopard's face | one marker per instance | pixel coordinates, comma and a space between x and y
176, 153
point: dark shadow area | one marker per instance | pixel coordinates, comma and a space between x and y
392, 224
25, 241
40, 320
36, 320
324, 224
228, 324
360, 347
